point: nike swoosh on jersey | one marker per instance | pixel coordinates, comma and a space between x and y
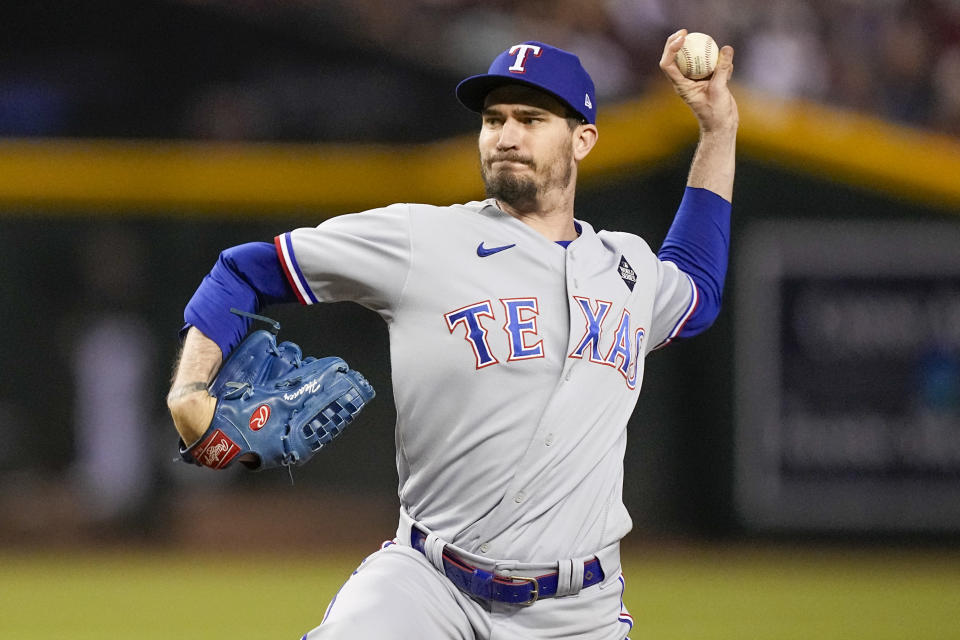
483, 251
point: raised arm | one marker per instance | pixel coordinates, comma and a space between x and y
698, 241
716, 111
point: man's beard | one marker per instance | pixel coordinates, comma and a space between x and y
522, 192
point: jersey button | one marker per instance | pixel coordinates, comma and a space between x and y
484, 547
549, 440
520, 497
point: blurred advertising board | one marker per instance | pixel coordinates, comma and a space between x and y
847, 357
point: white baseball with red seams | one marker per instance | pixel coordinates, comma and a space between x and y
697, 58
516, 365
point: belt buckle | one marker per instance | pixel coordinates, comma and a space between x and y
534, 594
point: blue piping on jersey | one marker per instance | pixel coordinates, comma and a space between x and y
698, 242
294, 275
689, 313
248, 277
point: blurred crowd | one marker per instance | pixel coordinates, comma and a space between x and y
899, 59
374, 70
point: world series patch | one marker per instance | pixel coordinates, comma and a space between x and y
627, 273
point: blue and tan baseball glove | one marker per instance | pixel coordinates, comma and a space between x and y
277, 405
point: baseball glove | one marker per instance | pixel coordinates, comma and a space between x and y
277, 405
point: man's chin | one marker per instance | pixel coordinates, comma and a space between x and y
510, 188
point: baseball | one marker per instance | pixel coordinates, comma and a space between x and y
697, 57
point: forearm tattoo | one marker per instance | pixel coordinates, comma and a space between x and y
187, 389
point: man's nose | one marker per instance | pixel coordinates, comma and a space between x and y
510, 134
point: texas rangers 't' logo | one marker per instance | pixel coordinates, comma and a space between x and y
522, 51
259, 418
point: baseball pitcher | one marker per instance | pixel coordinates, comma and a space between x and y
518, 334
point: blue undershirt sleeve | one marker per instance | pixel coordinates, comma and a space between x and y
698, 242
247, 277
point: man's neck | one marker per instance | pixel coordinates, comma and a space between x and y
552, 218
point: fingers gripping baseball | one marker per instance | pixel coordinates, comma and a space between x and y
668, 62
709, 98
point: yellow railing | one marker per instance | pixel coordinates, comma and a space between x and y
64, 176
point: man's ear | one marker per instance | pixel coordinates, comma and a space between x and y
584, 137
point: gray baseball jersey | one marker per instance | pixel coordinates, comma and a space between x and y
516, 364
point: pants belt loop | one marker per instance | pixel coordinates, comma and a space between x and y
569, 577
433, 549
564, 573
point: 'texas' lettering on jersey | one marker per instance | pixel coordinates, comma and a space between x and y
520, 325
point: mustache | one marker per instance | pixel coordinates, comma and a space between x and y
508, 157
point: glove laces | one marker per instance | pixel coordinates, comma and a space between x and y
273, 325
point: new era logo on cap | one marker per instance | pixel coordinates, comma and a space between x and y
539, 65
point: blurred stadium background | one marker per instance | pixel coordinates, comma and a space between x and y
794, 473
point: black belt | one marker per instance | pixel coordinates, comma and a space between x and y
510, 589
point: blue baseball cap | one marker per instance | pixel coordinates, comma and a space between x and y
537, 65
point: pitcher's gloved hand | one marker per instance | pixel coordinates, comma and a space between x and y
277, 405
